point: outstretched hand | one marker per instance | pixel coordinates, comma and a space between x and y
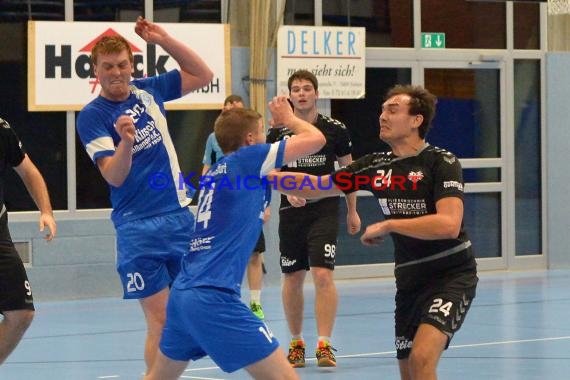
353, 223
149, 31
374, 234
281, 111
296, 201
47, 220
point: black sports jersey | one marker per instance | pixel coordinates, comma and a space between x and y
409, 187
11, 154
338, 145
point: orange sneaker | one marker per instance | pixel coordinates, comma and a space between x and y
296, 355
324, 354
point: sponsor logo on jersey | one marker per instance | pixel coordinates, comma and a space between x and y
457, 185
285, 262
403, 206
201, 244
403, 343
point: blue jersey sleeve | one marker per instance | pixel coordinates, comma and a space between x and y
94, 130
274, 157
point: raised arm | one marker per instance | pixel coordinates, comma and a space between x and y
194, 71
307, 139
37, 188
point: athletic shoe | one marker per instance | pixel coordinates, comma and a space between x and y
296, 355
257, 310
324, 354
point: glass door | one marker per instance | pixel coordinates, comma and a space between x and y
471, 123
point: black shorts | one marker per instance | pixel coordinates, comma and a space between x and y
260, 245
15, 290
308, 235
443, 303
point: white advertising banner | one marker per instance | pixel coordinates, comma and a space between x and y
60, 76
336, 55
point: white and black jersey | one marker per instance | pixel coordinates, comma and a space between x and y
322, 162
409, 187
11, 154
15, 290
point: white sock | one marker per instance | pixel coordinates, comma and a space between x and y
255, 296
325, 339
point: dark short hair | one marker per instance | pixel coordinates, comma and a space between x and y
233, 99
422, 102
109, 45
232, 126
303, 75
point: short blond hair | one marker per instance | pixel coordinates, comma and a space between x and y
109, 45
232, 127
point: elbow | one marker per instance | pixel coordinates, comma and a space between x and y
451, 231
206, 78
115, 182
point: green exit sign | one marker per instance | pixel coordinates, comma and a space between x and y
433, 40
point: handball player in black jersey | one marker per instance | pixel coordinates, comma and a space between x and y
308, 229
419, 188
16, 299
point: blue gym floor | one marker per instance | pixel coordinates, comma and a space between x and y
517, 329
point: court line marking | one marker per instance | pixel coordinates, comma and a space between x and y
511, 342
496, 343
466, 346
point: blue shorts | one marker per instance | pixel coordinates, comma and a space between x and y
215, 322
149, 251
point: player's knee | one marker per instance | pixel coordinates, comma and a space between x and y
420, 361
19, 320
255, 259
322, 278
26, 319
294, 281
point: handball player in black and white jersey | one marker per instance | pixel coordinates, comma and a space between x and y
419, 189
16, 299
308, 229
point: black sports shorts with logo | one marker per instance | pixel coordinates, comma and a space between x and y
15, 291
442, 303
308, 235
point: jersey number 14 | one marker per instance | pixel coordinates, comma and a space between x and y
205, 205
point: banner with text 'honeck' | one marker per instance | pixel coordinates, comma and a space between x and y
60, 74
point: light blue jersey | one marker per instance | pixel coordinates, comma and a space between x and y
213, 152
229, 218
152, 186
